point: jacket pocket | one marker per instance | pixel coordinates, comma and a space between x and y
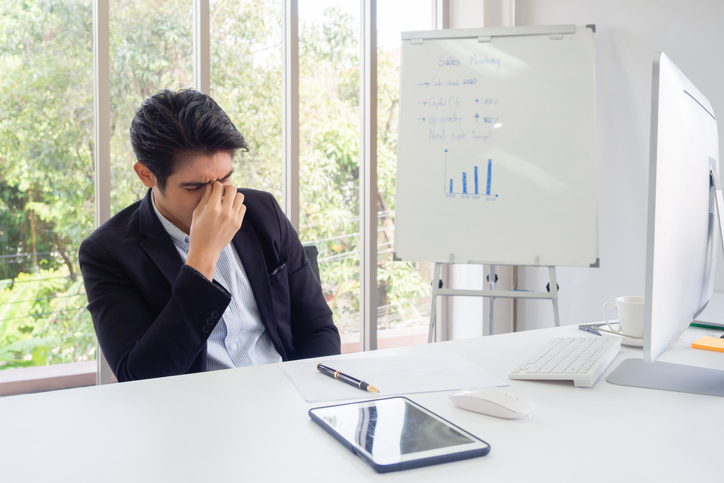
278, 269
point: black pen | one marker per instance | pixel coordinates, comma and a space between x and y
340, 376
587, 328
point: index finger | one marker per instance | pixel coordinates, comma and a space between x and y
204, 199
217, 192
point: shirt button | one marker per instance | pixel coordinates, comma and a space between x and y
233, 347
214, 314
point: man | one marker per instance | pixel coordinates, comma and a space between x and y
199, 275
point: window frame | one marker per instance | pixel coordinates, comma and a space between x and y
290, 138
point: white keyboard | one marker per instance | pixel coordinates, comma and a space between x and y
578, 359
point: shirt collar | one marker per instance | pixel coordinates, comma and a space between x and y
180, 239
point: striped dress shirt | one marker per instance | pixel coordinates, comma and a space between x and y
239, 338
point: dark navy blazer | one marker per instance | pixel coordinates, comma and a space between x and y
153, 314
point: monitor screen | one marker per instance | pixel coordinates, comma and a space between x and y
682, 219
683, 231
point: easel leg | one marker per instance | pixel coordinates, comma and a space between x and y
554, 294
491, 280
433, 303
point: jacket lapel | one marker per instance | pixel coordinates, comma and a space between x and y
248, 247
158, 245
163, 253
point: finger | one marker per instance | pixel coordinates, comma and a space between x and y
217, 193
204, 199
229, 195
238, 202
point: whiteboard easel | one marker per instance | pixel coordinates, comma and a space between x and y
438, 290
497, 152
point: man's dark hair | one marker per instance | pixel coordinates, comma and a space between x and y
171, 127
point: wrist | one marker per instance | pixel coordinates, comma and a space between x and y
204, 264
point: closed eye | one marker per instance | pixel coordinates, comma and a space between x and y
192, 186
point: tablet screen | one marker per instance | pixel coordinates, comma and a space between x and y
395, 430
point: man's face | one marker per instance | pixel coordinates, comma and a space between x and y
185, 188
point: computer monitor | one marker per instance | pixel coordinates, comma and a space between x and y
684, 229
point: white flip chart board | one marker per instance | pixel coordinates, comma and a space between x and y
497, 159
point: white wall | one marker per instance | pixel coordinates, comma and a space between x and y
629, 32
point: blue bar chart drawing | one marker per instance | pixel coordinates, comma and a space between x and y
490, 176
457, 179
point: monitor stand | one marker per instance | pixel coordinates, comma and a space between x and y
668, 377
676, 377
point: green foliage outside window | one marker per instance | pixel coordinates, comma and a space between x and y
46, 180
40, 318
47, 149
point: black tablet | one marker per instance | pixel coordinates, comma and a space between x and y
396, 434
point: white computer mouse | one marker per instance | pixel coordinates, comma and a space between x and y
494, 401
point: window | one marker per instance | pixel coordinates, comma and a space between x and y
246, 81
46, 180
47, 149
150, 49
329, 125
403, 313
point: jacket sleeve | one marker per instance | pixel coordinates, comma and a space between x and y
313, 331
137, 341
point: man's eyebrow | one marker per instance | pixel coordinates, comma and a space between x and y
187, 184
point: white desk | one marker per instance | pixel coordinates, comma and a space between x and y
251, 425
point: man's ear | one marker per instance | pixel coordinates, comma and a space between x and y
146, 176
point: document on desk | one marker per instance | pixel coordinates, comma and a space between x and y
393, 376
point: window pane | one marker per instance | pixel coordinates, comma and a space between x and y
46, 180
329, 131
151, 45
403, 313
246, 81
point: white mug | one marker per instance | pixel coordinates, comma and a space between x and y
630, 312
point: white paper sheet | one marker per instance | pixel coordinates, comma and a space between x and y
391, 375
